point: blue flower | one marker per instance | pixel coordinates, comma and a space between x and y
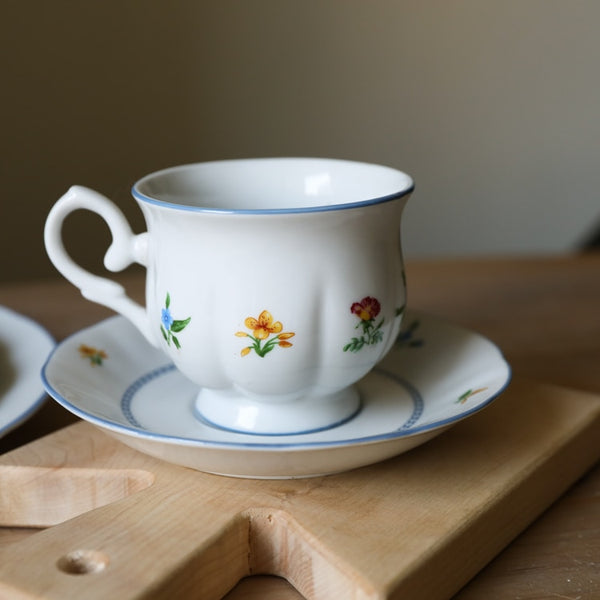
170, 326
166, 318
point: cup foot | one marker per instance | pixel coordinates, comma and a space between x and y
236, 412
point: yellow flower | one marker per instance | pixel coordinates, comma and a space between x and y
93, 354
282, 337
263, 327
89, 352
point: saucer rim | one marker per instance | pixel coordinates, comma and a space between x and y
274, 444
29, 327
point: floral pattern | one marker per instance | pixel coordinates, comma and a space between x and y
94, 355
170, 326
367, 311
266, 335
471, 392
407, 338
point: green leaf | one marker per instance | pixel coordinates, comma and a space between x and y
377, 337
176, 342
178, 326
267, 349
355, 345
270, 344
168, 300
400, 310
162, 330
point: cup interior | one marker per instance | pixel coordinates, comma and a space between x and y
272, 185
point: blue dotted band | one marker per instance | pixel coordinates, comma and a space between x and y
132, 390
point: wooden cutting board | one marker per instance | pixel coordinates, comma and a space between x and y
119, 524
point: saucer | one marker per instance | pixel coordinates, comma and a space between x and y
24, 347
435, 375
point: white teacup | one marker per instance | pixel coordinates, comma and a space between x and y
273, 284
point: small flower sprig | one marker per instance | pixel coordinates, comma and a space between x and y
464, 397
94, 355
406, 337
366, 310
170, 326
262, 329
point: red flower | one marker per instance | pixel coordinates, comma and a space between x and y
368, 308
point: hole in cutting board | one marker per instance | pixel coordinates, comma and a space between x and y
40, 497
82, 562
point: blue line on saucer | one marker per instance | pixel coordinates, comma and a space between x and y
204, 420
139, 383
418, 403
149, 377
417, 398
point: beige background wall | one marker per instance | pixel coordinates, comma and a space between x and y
493, 107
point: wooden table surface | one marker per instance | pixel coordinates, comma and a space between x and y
544, 313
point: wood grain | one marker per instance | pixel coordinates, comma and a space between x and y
417, 526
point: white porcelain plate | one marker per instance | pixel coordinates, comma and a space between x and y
436, 375
24, 347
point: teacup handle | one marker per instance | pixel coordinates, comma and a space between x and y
126, 248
